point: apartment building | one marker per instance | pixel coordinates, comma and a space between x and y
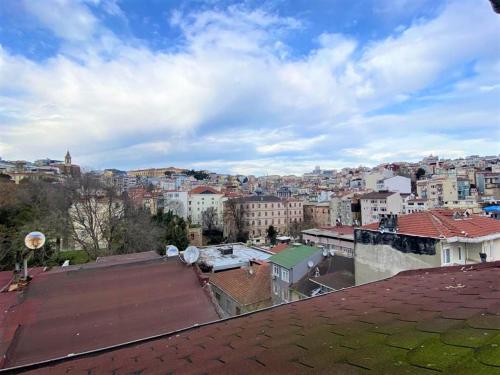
413, 204
202, 198
345, 209
259, 212
398, 184
176, 201
379, 203
438, 190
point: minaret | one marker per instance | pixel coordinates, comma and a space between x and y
67, 158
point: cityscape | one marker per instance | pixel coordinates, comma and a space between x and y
239, 188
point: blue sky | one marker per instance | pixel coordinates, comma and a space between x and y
250, 87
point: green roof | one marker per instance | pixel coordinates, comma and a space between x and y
293, 255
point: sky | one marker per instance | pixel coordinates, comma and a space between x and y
249, 87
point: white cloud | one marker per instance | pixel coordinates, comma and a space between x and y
235, 85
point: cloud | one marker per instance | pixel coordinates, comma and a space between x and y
233, 90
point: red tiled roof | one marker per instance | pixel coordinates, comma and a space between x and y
279, 248
417, 322
86, 309
204, 190
244, 287
440, 223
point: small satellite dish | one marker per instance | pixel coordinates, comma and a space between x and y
34, 240
332, 252
325, 252
172, 251
191, 254
310, 264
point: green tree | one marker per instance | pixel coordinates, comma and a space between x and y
420, 173
173, 230
272, 234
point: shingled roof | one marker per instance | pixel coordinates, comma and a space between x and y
245, 285
417, 322
440, 223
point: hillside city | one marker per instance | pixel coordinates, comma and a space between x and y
252, 242
223, 187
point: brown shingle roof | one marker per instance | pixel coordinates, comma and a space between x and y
204, 190
426, 321
245, 287
440, 223
377, 195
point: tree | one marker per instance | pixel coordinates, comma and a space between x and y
95, 217
420, 173
209, 219
173, 230
235, 224
272, 234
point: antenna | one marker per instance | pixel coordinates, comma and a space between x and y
310, 264
172, 251
191, 254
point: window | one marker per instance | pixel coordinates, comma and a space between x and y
285, 275
276, 270
446, 256
286, 295
459, 253
238, 311
276, 288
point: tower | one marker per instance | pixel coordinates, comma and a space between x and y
67, 158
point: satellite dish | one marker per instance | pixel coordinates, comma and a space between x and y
34, 240
332, 252
325, 252
172, 251
191, 254
310, 264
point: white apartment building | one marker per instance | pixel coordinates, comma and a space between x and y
371, 179
200, 199
379, 203
177, 202
398, 184
412, 204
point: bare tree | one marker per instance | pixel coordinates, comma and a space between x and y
95, 217
209, 219
235, 224
175, 206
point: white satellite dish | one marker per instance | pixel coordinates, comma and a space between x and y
325, 252
191, 254
310, 264
172, 251
332, 252
34, 240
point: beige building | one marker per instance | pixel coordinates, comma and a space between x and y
379, 203
412, 204
438, 190
257, 213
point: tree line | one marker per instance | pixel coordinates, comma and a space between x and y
82, 214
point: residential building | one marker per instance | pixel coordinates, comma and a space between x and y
345, 209
242, 290
434, 238
398, 184
202, 198
488, 184
176, 201
412, 204
378, 203
230, 256
257, 213
288, 267
438, 190
371, 179
338, 239
463, 188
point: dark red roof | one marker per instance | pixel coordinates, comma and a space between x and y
440, 223
340, 229
75, 311
417, 322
